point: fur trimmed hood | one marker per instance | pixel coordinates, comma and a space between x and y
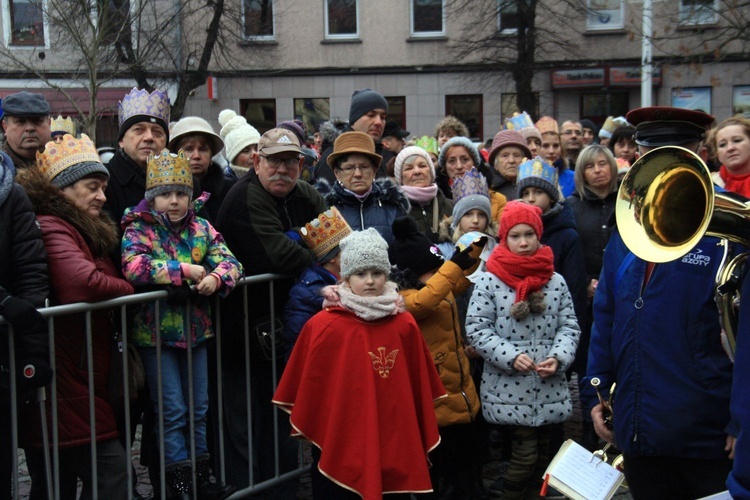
330, 130
384, 190
100, 232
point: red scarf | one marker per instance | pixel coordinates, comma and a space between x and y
523, 273
739, 184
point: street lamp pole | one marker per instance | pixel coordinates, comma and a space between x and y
646, 64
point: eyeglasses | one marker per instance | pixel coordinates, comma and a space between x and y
349, 169
275, 161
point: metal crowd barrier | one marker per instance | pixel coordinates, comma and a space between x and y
121, 303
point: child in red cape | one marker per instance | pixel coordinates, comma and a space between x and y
360, 384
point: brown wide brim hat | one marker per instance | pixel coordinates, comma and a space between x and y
354, 143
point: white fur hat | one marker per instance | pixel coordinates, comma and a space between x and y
237, 133
364, 250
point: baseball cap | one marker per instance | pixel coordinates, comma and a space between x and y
278, 140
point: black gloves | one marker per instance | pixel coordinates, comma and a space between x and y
469, 255
33, 368
179, 295
463, 259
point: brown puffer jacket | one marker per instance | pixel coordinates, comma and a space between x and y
434, 308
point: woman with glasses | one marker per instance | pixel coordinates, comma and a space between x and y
363, 201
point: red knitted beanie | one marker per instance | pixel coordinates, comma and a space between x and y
519, 212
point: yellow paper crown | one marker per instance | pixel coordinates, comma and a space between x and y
62, 126
58, 157
325, 232
167, 170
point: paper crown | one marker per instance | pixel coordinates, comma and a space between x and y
58, 157
168, 169
61, 126
547, 125
324, 233
537, 167
141, 103
519, 121
471, 183
427, 143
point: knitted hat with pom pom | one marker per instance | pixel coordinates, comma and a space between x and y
412, 249
237, 133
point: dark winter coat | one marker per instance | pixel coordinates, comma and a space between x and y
661, 344
80, 271
18, 161
23, 262
258, 229
593, 221
499, 184
304, 302
561, 235
379, 209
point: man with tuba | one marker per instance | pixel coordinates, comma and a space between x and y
657, 335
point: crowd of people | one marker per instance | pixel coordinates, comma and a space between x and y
438, 300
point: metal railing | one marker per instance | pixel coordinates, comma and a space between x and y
51, 452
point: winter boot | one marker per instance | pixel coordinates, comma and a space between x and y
206, 489
179, 479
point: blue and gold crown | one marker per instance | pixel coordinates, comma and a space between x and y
471, 183
538, 168
141, 103
518, 121
167, 172
62, 126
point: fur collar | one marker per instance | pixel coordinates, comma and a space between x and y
406, 279
100, 233
383, 190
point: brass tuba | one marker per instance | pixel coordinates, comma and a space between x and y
666, 204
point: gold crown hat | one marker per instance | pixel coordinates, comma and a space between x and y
167, 172
324, 233
62, 126
518, 121
142, 106
70, 161
538, 173
547, 125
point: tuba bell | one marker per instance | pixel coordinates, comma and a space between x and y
666, 204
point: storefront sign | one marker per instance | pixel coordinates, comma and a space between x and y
572, 78
631, 76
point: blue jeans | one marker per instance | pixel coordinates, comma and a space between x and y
174, 373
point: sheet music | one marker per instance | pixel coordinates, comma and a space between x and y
587, 475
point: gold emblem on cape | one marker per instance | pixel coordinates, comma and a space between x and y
383, 363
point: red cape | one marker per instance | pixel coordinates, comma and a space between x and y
363, 392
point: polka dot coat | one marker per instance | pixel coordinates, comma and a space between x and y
508, 396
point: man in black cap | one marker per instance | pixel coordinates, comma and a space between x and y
367, 113
393, 140
26, 123
656, 335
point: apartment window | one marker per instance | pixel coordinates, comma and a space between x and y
598, 106
507, 17
114, 16
342, 19
468, 109
508, 105
397, 110
26, 22
312, 112
604, 14
260, 113
258, 17
698, 11
427, 18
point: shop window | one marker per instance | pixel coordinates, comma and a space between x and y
260, 113
312, 112
468, 109
397, 110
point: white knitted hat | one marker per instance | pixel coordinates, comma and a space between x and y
364, 250
237, 133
